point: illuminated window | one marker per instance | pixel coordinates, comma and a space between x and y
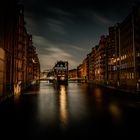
138, 54
125, 56
132, 75
127, 75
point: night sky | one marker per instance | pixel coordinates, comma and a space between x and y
68, 29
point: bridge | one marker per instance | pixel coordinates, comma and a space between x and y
51, 79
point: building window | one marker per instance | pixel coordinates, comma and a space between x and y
138, 54
132, 75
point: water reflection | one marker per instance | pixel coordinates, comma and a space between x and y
115, 111
63, 105
77, 102
47, 105
34, 89
98, 96
73, 105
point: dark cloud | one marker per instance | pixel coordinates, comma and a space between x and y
69, 24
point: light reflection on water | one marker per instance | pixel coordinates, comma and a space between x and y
98, 96
115, 111
77, 102
77, 109
63, 105
46, 105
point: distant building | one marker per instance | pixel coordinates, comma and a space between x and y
100, 60
80, 71
73, 74
60, 70
85, 68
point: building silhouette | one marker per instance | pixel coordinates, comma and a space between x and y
18, 65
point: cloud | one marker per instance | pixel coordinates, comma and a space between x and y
79, 49
37, 25
60, 12
101, 19
49, 53
53, 52
55, 25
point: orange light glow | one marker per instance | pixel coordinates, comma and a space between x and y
63, 106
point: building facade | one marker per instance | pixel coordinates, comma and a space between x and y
130, 49
72, 74
14, 45
8, 14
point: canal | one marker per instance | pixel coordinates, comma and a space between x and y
78, 110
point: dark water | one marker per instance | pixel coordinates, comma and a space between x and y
73, 111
